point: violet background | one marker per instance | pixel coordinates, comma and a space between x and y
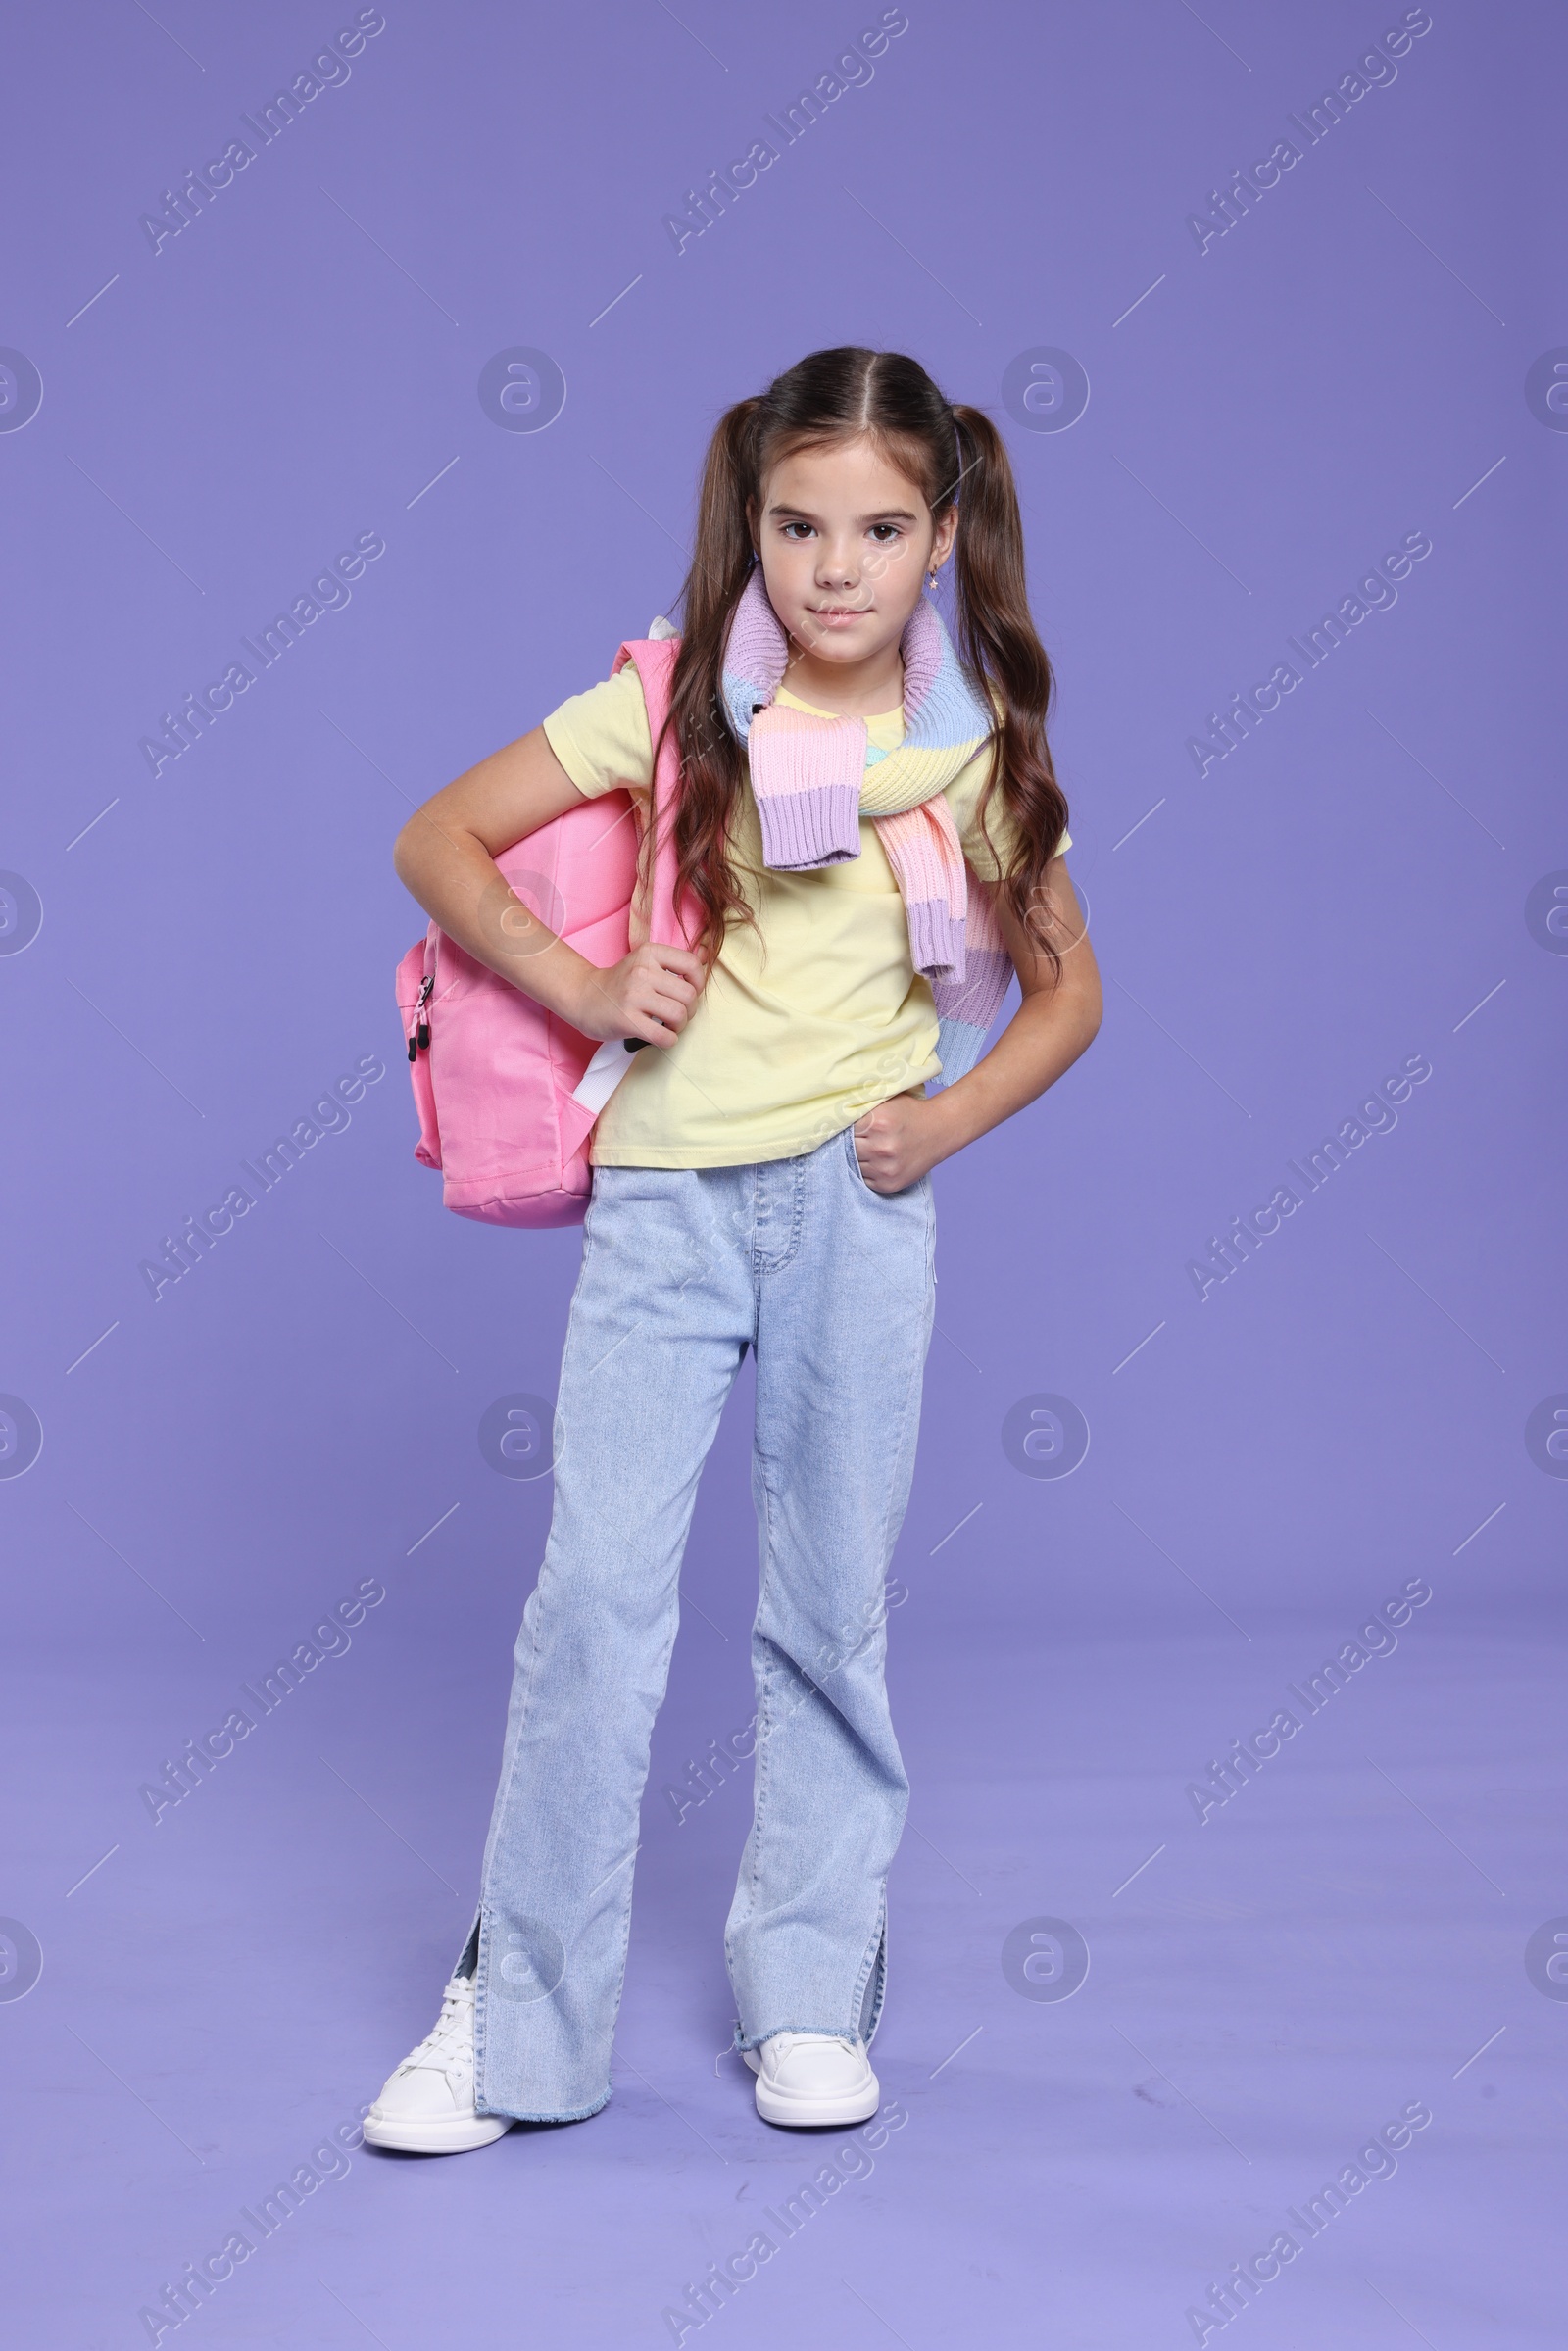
1349, 887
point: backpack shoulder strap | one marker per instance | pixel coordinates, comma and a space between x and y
654, 659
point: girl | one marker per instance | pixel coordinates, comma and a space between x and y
869, 831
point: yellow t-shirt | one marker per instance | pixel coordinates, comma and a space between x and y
807, 1021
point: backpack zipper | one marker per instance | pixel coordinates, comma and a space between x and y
420, 1034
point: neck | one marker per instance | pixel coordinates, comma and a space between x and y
864, 689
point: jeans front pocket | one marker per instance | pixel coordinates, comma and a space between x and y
858, 1174
856, 1171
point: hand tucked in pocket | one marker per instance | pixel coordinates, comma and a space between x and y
900, 1140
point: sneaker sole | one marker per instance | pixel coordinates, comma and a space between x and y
801, 2114
456, 2137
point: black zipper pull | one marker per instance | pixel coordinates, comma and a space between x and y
419, 1034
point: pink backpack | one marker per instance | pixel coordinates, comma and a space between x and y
495, 1075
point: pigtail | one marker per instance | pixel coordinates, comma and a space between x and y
995, 635
710, 756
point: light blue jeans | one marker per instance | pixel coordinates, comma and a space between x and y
831, 1284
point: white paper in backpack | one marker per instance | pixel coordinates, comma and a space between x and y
611, 1061
603, 1075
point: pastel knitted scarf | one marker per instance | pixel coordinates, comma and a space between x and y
813, 778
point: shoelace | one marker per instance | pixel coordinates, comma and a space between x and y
794, 2041
450, 2041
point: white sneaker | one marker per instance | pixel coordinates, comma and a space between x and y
814, 2078
426, 2107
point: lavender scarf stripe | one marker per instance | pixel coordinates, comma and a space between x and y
936, 939
978, 998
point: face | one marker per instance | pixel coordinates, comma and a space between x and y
846, 542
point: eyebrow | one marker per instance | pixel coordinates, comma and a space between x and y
890, 514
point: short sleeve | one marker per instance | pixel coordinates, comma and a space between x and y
602, 738
987, 847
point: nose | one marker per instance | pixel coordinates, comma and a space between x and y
837, 567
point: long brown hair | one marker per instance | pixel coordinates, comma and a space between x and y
954, 455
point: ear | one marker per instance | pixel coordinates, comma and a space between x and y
947, 530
